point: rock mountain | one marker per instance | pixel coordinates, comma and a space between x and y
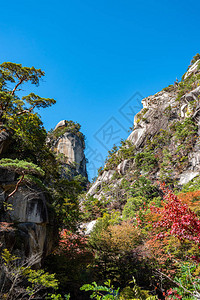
164, 144
35, 228
70, 145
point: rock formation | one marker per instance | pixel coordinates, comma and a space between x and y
164, 144
26, 218
70, 145
27, 222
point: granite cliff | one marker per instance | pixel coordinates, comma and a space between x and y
67, 142
164, 144
26, 218
28, 222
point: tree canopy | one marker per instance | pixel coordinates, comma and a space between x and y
12, 77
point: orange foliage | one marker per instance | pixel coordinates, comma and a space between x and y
192, 199
161, 253
123, 237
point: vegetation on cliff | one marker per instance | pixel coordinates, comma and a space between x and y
28, 159
162, 252
146, 238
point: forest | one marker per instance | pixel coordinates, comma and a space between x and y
145, 240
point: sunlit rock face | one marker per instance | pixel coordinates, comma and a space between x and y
193, 69
72, 148
158, 125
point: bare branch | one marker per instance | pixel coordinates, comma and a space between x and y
20, 82
25, 111
16, 187
196, 294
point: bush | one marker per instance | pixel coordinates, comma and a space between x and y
146, 161
132, 207
93, 208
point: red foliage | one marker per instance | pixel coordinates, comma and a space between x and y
72, 245
176, 218
173, 294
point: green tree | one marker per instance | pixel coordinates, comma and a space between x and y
16, 75
18, 119
20, 281
21, 168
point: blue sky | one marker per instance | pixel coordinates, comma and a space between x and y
100, 58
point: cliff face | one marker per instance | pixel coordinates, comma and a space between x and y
69, 145
164, 144
27, 223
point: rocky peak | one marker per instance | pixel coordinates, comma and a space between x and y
68, 143
164, 144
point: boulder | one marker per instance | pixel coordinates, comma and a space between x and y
185, 177
33, 229
123, 167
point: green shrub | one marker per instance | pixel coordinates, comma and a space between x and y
170, 88
195, 58
70, 126
188, 84
104, 292
93, 208
133, 205
161, 139
185, 131
142, 187
192, 186
146, 161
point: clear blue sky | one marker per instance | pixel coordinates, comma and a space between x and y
97, 55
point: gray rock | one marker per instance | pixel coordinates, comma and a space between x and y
88, 227
193, 95
105, 177
72, 149
193, 69
123, 167
7, 176
159, 116
187, 176
28, 206
60, 124
33, 232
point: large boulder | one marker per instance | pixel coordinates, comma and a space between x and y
29, 216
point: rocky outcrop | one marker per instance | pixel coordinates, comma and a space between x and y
159, 133
105, 177
123, 167
27, 222
193, 69
30, 218
71, 146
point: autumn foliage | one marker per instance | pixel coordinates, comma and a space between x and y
72, 245
176, 218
